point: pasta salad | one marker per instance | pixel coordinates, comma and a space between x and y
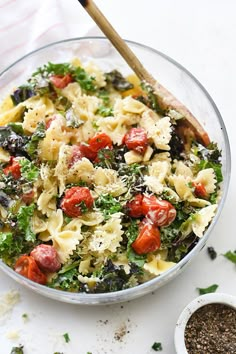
100, 190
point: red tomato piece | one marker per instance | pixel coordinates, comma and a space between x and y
159, 212
100, 141
136, 139
49, 122
134, 207
28, 197
148, 240
27, 266
46, 258
75, 200
200, 190
60, 81
76, 155
13, 168
87, 152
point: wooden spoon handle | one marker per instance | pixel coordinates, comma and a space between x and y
165, 99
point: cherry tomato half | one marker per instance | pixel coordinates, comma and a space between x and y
87, 152
60, 81
27, 266
148, 240
136, 139
200, 190
134, 207
159, 212
76, 199
13, 168
100, 141
46, 258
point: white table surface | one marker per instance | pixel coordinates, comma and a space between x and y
201, 35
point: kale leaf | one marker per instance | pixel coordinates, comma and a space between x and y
210, 289
39, 134
28, 170
24, 217
108, 205
12, 142
11, 246
114, 278
231, 256
22, 93
118, 81
17, 350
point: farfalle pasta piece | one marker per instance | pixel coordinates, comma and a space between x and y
158, 129
182, 169
99, 77
157, 266
107, 236
64, 239
81, 170
107, 181
113, 127
182, 187
55, 137
91, 218
38, 224
47, 199
159, 169
208, 178
62, 169
4, 155
33, 117
202, 219
12, 115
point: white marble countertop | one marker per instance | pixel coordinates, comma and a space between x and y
201, 36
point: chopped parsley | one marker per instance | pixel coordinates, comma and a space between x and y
105, 111
210, 289
157, 346
231, 256
28, 170
17, 350
108, 205
66, 337
78, 74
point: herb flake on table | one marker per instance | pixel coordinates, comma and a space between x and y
231, 256
210, 289
17, 350
66, 337
157, 346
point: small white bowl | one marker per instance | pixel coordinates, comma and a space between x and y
185, 315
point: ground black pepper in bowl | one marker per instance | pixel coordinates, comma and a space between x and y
211, 329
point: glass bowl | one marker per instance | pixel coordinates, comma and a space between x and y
171, 75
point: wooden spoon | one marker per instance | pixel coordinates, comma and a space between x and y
165, 99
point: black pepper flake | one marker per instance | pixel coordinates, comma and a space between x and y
212, 253
212, 330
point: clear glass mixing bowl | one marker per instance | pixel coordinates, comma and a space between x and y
171, 75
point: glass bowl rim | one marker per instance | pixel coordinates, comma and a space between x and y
139, 290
